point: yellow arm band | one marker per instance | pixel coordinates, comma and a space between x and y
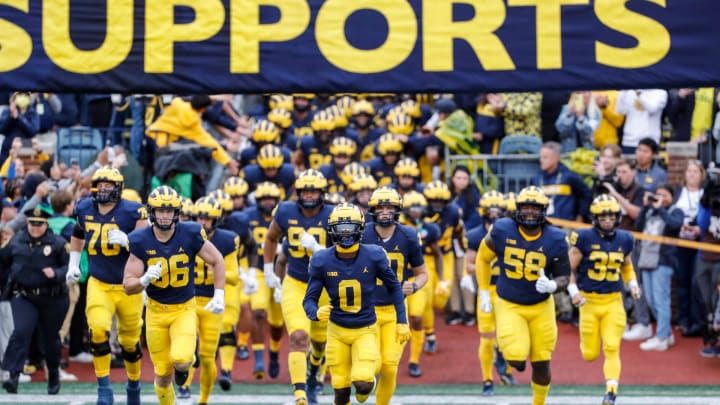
628, 271
484, 257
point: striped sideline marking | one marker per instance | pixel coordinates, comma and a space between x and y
83, 399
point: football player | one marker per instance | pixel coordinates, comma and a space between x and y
103, 222
303, 223
382, 167
162, 262
601, 265
402, 245
525, 248
264, 133
342, 150
270, 167
348, 272
314, 151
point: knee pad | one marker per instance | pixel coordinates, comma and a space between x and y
100, 349
227, 339
132, 356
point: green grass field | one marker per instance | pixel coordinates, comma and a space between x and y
84, 394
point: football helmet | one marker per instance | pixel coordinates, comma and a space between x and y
491, 201
270, 157
131, 195
361, 182
531, 196
343, 146
363, 107
346, 104
338, 115
167, 198
605, 204
187, 208
385, 197
414, 205
510, 207
323, 121
265, 132
280, 117
407, 166
350, 171
267, 191
388, 143
438, 195
334, 198
223, 198
400, 124
281, 101
345, 225
310, 179
236, 187
208, 208
107, 174
411, 108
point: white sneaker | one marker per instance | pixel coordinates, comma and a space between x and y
655, 343
671, 340
24, 378
638, 332
82, 357
65, 376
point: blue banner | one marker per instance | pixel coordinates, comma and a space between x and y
253, 46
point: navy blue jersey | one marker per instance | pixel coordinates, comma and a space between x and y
288, 140
474, 239
335, 183
429, 233
106, 260
521, 259
301, 127
248, 156
237, 223
350, 283
450, 220
404, 251
258, 225
284, 179
226, 242
293, 225
365, 143
384, 174
603, 257
177, 257
315, 155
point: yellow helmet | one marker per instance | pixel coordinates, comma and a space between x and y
407, 166
323, 121
310, 179
187, 208
308, 96
350, 171
223, 198
236, 187
393, 112
385, 197
510, 206
363, 107
605, 204
281, 101
346, 104
414, 202
531, 195
280, 117
437, 190
362, 182
267, 189
489, 200
270, 157
411, 108
388, 143
345, 225
131, 195
207, 207
334, 198
338, 115
107, 174
164, 197
400, 124
343, 146
265, 132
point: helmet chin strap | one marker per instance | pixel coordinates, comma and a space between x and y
352, 249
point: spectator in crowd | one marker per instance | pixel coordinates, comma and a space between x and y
577, 122
20, 120
648, 172
690, 112
627, 191
466, 195
73, 110
604, 167
656, 261
569, 196
552, 103
643, 116
489, 124
610, 123
689, 308
521, 112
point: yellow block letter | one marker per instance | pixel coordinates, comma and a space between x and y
63, 52
439, 30
653, 38
16, 43
161, 32
246, 32
548, 25
330, 35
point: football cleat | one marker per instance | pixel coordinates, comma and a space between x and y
225, 380
430, 346
184, 393
259, 371
132, 389
312, 385
487, 388
414, 370
274, 366
507, 379
242, 353
609, 398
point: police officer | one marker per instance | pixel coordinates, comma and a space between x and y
37, 260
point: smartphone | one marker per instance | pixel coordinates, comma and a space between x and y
74, 162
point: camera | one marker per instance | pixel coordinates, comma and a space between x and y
652, 198
711, 193
599, 188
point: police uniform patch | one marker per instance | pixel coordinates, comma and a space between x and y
47, 250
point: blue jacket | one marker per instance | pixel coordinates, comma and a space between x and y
569, 194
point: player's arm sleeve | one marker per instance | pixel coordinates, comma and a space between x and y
78, 232
231, 264
389, 279
312, 294
483, 259
628, 270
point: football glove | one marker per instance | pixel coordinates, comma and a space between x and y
467, 284
271, 279
309, 242
323, 313
152, 273
402, 333
118, 237
485, 303
73, 274
217, 303
249, 280
544, 285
